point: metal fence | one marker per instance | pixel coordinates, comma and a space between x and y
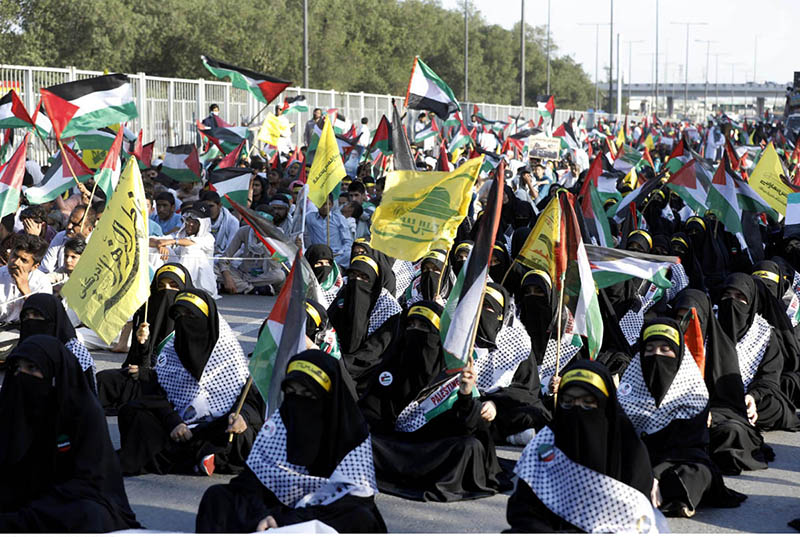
170, 107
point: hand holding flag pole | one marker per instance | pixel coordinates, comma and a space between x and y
239, 406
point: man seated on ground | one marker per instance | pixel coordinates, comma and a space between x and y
166, 217
18, 279
258, 273
318, 229
279, 208
77, 227
34, 222
223, 224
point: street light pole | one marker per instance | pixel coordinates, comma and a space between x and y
686, 65
548, 47
611, 61
656, 58
708, 54
305, 43
522, 56
466, 51
597, 26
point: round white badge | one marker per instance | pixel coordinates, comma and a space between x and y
269, 428
162, 361
624, 389
385, 378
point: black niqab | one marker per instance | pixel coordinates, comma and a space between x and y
317, 252
55, 323
735, 317
659, 371
351, 309
491, 322
196, 331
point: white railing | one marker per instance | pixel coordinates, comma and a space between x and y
170, 107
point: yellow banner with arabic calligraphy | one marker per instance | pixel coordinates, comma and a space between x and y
112, 277
538, 250
422, 210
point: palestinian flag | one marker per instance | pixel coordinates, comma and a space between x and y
107, 176
792, 221
690, 186
231, 183
83, 105
58, 178
228, 138
5, 147
442, 164
460, 139
628, 158
99, 139
182, 163
143, 153
677, 158
12, 112
567, 135
339, 122
612, 265
580, 296
430, 130
283, 336
294, 105
263, 87
281, 248
594, 217
462, 311
382, 139
636, 197
426, 91
453, 120
547, 106
41, 121
403, 158
490, 160
11, 180
231, 159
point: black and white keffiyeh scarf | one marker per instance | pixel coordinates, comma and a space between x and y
589, 500
752, 347
293, 485
219, 387
385, 307
495, 368
686, 397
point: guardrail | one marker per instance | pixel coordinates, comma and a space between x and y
170, 107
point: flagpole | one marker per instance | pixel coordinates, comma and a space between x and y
329, 226
513, 262
65, 158
49, 153
441, 274
241, 403
257, 114
558, 327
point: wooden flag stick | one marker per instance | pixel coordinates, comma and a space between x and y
65, 158
47, 148
558, 327
241, 403
258, 114
329, 225
508, 271
441, 274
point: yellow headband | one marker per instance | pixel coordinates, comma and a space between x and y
542, 274
428, 313
464, 246
369, 261
173, 269
195, 300
312, 371
767, 275
584, 375
497, 295
680, 240
697, 219
438, 256
314, 313
644, 234
362, 240
662, 331
498, 247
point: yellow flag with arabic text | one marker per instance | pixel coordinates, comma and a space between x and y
770, 180
538, 252
112, 277
327, 169
421, 211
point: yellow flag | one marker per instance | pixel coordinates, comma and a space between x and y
327, 170
766, 180
420, 210
649, 142
538, 252
112, 278
273, 128
621, 137
631, 179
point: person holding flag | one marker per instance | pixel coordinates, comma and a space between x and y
182, 422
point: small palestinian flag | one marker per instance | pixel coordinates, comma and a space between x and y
690, 186
382, 139
231, 159
546, 105
283, 336
594, 217
231, 183
107, 176
58, 178
12, 112
613, 265
263, 87
460, 139
567, 135
426, 91
143, 152
403, 158
792, 223
83, 105
430, 130
11, 180
182, 163
294, 104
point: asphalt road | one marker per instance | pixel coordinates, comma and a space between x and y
169, 503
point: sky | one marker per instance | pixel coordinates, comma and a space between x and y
747, 34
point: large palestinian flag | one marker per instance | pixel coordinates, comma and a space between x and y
612, 265
263, 87
58, 178
11, 179
75, 107
426, 91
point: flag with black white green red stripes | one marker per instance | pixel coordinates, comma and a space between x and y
263, 87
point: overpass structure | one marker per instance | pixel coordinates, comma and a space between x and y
750, 98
